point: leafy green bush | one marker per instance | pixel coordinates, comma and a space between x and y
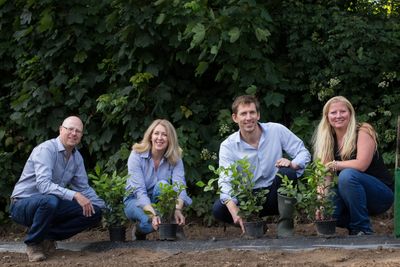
167, 200
242, 182
316, 193
288, 187
111, 188
120, 64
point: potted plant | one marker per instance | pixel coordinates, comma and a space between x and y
287, 199
111, 188
249, 200
165, 208
317, 195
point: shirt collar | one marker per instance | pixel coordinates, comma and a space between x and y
60, 146
237, 139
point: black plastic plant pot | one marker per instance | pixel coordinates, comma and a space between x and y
167, 231
117, 233
326, 227
254, 229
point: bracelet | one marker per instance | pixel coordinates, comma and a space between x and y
334, 168
178, 209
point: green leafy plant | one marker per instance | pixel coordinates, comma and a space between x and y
56, 63
316, 193
167, 200
251, 201
111, 188
288, 188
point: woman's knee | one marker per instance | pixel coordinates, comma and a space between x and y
348, 176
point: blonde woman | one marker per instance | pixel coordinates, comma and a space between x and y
156, 159
349, 148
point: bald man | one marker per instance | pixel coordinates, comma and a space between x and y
52, 196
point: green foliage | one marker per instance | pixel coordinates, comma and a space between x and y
288, 187
315, 192
202, 207
167, 200
121, 64
111, 188
242, 188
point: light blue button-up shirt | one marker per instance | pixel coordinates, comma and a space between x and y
47, 172
143, 177
275, 139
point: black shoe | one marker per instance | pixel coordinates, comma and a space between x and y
359, 232
136, 235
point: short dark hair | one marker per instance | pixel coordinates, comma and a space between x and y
245, 99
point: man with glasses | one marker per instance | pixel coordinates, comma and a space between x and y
52, 196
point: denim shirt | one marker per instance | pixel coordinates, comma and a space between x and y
48, 172
275, 139
143, 177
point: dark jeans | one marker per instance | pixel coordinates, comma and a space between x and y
359, 195
49, 217
221, 212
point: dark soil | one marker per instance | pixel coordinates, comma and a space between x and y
221, 257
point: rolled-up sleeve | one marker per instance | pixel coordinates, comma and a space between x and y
80, 183
136, 183
178, 175
224, 182
295, 148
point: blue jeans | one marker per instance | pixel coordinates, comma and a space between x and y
136, 214
357, 196
221, 212
49, 217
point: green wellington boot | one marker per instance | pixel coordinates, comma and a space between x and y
286, 213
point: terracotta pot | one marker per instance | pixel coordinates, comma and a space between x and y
167, 231
117, 233
254, 229
326, 227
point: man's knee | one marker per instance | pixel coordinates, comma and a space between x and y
50, 202
221, 212
98, 213
289, 172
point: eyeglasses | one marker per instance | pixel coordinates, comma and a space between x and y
72, 130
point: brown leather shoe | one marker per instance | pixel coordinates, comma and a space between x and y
49, 246
35, 252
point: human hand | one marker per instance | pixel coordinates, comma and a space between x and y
85, 203
319, 215
332, 166
179, 218
238, 220
155, 222
282, 162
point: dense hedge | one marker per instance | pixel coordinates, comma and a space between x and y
120, 64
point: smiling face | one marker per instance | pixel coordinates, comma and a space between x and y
338, 115
71, 132
159, 139
247, 118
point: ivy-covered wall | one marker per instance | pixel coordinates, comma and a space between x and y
119, 64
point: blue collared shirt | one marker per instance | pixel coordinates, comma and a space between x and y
275, 139
143, 176
47, 172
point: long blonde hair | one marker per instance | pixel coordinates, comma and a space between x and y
324, 137
173, 152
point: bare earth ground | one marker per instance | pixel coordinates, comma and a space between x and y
221, 257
